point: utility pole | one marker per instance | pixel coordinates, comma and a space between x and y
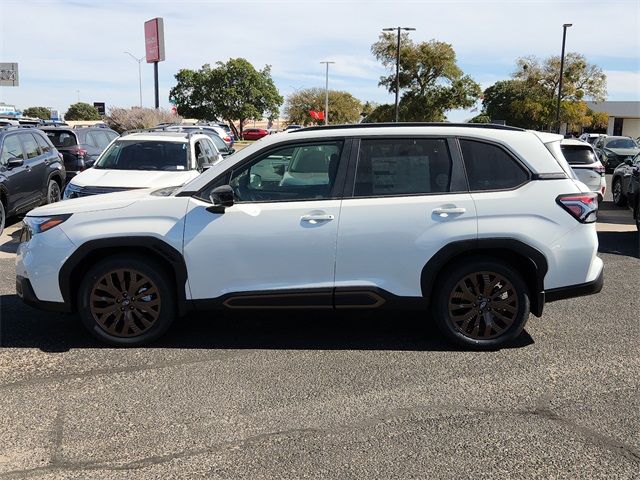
139, 60
399, 29
564, 38
326, 94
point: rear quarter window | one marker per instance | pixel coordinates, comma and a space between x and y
490, 167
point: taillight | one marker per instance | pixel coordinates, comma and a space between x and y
582, 206
227, 139
80, 152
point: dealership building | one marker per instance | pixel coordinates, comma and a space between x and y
624, 117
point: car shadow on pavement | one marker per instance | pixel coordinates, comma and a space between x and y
23, 327
620, 243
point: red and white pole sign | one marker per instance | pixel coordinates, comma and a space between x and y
154, 40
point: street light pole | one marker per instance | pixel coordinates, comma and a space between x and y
326, 94
139, 60
406, 29
564, 38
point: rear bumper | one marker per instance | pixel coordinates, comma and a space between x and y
571, 291
28, 296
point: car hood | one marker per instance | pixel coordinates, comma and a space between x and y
93, 203
94, 177
623, 152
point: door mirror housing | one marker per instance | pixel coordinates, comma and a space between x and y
15, 162
221, 197
628, 162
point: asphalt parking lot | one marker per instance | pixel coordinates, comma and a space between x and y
310, 395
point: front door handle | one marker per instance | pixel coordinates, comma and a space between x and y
446, 211
313, 219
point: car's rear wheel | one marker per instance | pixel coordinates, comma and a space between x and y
53, 192
481, 304
126, 301
618, 195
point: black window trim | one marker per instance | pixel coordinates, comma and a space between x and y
337, 192
458, 177
514, 156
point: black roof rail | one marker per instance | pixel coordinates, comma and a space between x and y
407, 124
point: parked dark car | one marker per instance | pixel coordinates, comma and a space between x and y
612, 151
80, 147
254, 133
31, 171
626, 186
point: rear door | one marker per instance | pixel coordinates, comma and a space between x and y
408, 198
36, 180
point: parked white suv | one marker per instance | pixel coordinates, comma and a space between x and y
146, 159
475, 225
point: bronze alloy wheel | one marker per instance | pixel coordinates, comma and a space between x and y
125, 303
483, 305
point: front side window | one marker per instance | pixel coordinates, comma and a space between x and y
11, 148
403, 167
145, 155
303, 172
489, 167
42, 143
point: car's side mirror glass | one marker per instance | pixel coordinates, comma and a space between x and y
15, 162
221, 197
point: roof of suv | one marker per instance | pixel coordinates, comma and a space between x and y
160, 135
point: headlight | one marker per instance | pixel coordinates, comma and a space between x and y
42, 224
71, 191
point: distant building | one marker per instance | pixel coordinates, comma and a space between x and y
624, 117
9, 110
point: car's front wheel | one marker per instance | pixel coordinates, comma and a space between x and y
618, 195
53, 192
3, 215
481, 303
127, 301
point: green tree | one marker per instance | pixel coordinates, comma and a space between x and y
430, 76
480, 118
234, 90
516, 104
343, 107
43, 113
82, 111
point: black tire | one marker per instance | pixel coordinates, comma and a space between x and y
619, 197
150, 314
53, 192
3, 217
499, 283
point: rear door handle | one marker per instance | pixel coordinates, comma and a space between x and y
446, 211
313, 219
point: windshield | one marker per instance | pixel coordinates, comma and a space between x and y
144, 155
577, 155
621, 143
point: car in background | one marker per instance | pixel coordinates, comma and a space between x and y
221, 132
584, 163
222, 146
80, 147
254, 133
613, 150
590, 137
147, 159
625, 186
228, 129
31, 171
292, 127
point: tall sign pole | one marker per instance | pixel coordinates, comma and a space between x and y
399, 29
564, 38
154, 49
326, 94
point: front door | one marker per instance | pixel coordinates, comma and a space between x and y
17, 178
276, 245
409, 200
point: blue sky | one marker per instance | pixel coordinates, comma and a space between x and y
63, 47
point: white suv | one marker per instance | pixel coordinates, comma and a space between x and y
146, 159
475, 225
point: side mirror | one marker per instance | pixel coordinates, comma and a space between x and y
15, 162
221, 197
629, 162
232, 150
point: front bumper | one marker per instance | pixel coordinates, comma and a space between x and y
28, 296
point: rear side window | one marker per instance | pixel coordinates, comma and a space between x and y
489, 167
403, 167
42, 143
577, 155
100, 139
30, 145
